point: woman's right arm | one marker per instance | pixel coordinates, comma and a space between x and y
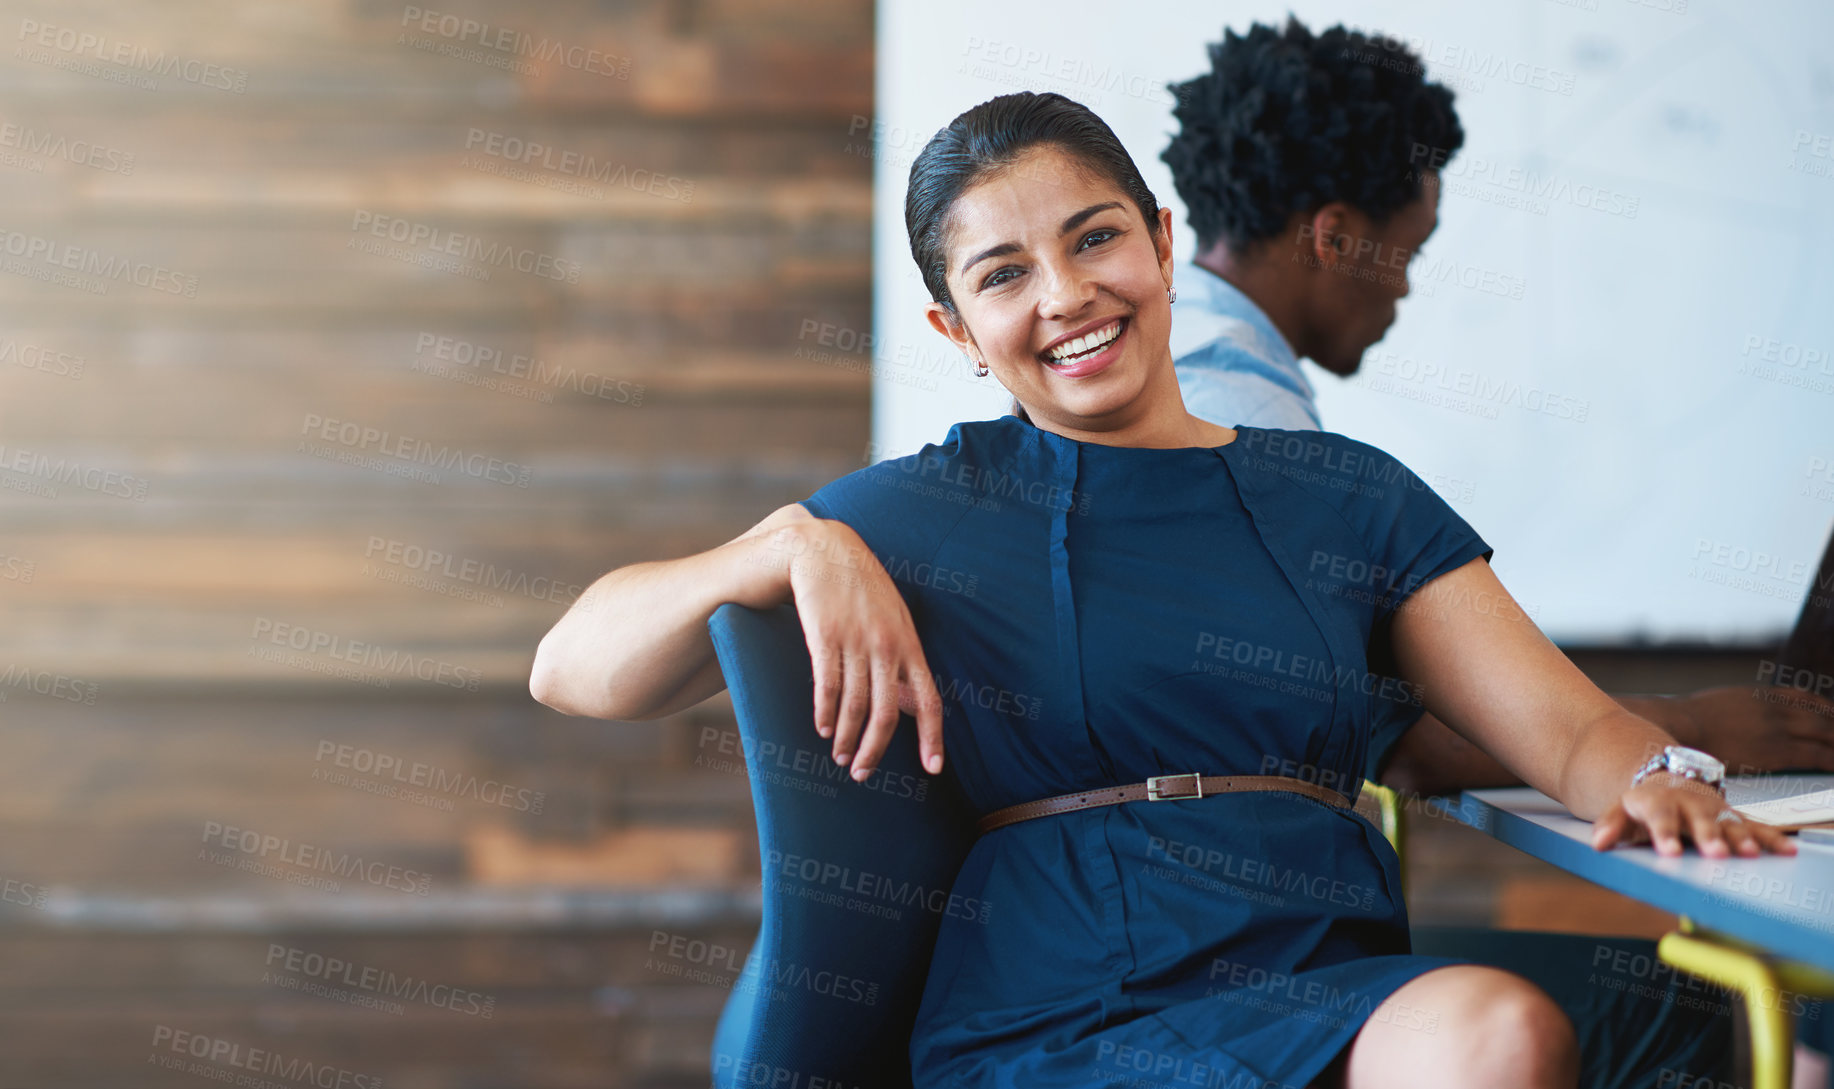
635, 646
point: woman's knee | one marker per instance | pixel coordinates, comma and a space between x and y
1466, 1026
1536, 1038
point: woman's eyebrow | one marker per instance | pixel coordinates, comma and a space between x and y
1076, 220
1000, 250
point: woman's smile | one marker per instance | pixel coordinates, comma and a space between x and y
1088, 350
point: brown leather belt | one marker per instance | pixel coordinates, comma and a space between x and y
1159, 788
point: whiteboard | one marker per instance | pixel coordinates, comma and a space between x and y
1645, 434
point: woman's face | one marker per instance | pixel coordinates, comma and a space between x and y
1061, 289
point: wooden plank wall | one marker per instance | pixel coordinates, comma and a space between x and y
670, 411
202, 314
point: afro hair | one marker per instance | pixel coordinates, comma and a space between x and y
1289, 121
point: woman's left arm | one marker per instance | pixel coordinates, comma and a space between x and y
1488, 672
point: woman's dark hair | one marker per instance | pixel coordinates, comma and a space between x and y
991, 137
1287, 121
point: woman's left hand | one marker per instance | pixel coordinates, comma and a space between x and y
1665, 808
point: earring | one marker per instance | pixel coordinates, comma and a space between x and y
1171, 294
980, 368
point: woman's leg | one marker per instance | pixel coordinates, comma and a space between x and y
1462, 1027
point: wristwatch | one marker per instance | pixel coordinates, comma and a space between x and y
1687, 763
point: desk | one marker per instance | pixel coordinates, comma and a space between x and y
1763, 926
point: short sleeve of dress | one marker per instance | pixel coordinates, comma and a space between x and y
901, 508
862, 497
868, 501
1411, 537
822, 504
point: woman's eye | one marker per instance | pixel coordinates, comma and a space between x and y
999, 277
1096, 238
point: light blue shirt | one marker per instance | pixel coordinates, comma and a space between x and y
1233, 366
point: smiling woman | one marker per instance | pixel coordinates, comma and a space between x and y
1276, 954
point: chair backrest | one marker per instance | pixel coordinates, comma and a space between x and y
856, 882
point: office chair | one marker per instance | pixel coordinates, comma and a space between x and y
856, 878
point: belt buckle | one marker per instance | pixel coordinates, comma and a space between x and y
1156, 792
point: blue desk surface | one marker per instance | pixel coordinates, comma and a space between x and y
1784, 904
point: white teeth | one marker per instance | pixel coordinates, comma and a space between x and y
1083, 345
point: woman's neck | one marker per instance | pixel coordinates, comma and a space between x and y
1165, 434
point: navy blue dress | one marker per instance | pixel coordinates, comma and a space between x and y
1095, 615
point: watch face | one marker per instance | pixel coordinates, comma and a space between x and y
1694, 760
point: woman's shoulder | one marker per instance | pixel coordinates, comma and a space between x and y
939, 477
1338, 477
972, 442
1385, 504
1304, 444
1325, 461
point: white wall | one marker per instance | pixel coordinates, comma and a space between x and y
1685, 505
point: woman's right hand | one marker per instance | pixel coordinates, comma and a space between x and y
869, 665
